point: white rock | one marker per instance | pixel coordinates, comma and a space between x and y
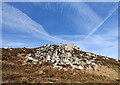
48, 57
88, 62
94, 58
65, 69
89, 54
80, 67
94, 65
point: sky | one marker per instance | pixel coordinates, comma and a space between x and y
92, 26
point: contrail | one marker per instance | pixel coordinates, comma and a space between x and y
17, 20
110, 47
96, 28
87, 19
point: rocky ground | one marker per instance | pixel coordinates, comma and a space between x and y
62, 63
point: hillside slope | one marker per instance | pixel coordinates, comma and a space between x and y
57, 63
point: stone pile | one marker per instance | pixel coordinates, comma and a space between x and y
63, 55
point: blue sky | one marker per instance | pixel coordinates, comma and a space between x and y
93, 26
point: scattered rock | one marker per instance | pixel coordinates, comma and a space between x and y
62, 55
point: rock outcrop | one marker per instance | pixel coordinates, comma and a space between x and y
62, 56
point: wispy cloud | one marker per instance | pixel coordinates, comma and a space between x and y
103, 44
12, 15
94, 40
82, 17
101, 23
111, 51
87, 18
7, 43
17, 20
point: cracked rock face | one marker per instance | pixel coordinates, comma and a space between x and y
62, 56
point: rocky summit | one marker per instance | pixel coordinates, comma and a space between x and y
62, 56
57, 63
